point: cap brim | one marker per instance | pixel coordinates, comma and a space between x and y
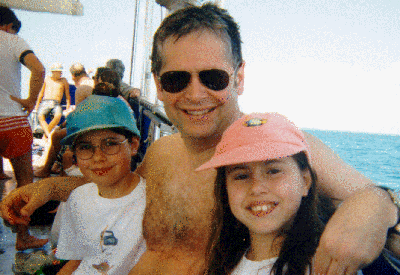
255, 152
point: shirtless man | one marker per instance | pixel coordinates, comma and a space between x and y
49, 99
83, 83
199, 74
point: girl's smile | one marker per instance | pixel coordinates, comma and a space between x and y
266, 195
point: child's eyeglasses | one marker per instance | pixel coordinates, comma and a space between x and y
175, 81
85, 151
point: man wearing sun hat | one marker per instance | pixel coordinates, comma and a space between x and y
49, 99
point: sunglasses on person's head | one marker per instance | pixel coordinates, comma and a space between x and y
175, 81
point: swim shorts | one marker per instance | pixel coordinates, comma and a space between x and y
15, 136
49, 106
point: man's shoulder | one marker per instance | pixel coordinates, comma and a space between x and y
167, 144
86, 81
164, 151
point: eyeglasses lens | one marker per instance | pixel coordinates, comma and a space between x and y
216, 80
86, 151
176, 81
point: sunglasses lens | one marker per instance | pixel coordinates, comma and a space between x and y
216, 80
174, 82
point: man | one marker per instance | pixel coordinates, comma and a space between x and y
199, 74
49, 99
83, 83
126, 90
15, 132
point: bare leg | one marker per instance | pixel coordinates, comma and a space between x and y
54, 122
55, 138
3, 176
26, 241
22, 167
24, 175
45, 126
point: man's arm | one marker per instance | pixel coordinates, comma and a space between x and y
40, 96
67, 95
35, 84
82, 92
17, 206
356, 233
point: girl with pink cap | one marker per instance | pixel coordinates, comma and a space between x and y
266, 215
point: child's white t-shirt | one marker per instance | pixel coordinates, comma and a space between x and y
87, 217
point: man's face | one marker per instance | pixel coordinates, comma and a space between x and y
198, 111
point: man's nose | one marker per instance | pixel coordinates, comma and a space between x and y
195, 90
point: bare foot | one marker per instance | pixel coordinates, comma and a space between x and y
4, 176
42, 173
56, 169
29, 242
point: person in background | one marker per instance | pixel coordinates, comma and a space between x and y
126, 90
84, 87
83, 83
50, 97
15, 132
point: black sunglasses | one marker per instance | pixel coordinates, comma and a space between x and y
175, 81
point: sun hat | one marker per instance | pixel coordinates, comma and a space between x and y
99, 112
258, 137
56, 67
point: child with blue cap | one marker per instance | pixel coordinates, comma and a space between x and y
101, 222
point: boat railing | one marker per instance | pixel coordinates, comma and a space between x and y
151, 121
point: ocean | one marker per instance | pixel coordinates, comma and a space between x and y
377, 156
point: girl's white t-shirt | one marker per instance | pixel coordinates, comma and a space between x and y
264, 267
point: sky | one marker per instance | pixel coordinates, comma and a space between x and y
330, 65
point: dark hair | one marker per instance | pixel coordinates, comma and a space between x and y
230, 238
117, 66
99, 70
110, 84
191, 19
7, 16
110, 76
105, 89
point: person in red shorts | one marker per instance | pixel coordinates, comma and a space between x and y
15, 132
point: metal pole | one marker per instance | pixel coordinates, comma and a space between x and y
134, 41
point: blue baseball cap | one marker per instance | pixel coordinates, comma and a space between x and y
99, 112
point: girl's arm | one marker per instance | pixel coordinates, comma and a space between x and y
69, 267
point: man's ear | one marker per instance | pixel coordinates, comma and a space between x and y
135, 143
160, 93
239, 81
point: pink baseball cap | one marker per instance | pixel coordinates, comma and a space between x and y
258, 137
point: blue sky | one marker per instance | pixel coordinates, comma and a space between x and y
325, 64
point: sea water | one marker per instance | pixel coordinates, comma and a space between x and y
377, 156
